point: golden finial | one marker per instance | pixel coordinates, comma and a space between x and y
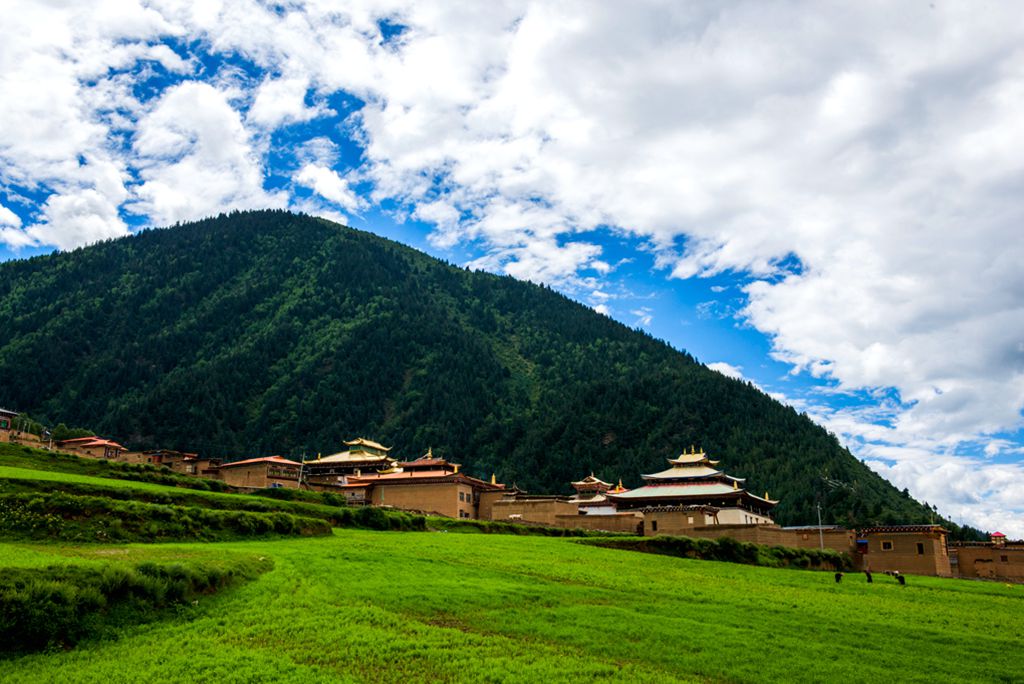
493, 480
318, 455
693, 449
430, 452
766, 495
456, 467
735, 485
620, 483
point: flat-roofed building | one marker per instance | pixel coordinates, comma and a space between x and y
909, 549
259, 473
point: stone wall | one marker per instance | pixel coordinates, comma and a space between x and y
624, 523
543, 511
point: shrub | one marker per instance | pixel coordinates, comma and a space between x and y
58, 606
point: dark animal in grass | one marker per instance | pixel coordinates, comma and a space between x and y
867, 573
839, 577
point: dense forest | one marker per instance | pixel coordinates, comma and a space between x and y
267, 332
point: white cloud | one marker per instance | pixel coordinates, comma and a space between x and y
329, 185
282, 101
644, 316
602, 309
727, 369
196, 158
9, 218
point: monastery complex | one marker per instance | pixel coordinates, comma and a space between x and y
692, 497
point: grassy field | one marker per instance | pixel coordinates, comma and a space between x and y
389, 606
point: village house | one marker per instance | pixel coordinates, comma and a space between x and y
259, 473
7, 419
180, 462
93, 447
909, 549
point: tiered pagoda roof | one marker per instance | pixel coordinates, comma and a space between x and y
592, 491
359, 451
591, 484
692, 478
691, 467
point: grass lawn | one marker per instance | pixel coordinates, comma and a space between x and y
410, 607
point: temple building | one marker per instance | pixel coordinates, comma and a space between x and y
591, 495
363, 456
427, 484
693, 480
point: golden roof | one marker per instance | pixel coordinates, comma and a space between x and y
591, 481
369, 443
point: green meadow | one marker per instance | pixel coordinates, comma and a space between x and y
420, 606
409, 606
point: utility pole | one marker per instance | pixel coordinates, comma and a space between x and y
821, 534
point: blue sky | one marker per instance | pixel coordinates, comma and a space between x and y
822, 202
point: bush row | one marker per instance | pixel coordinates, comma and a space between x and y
500, 527
58, 606
731, 551
74, 518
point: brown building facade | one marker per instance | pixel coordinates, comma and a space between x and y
541, 510
1000, 561
427, 485
93, 447
260, 473
909, 549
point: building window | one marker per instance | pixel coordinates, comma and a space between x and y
689, 520
1004, 559
654, 526
887, 546
920, 548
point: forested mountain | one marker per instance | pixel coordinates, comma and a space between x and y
267, 332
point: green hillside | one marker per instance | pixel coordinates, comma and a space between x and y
267, 332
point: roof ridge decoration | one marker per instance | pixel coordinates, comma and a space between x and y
362, 441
